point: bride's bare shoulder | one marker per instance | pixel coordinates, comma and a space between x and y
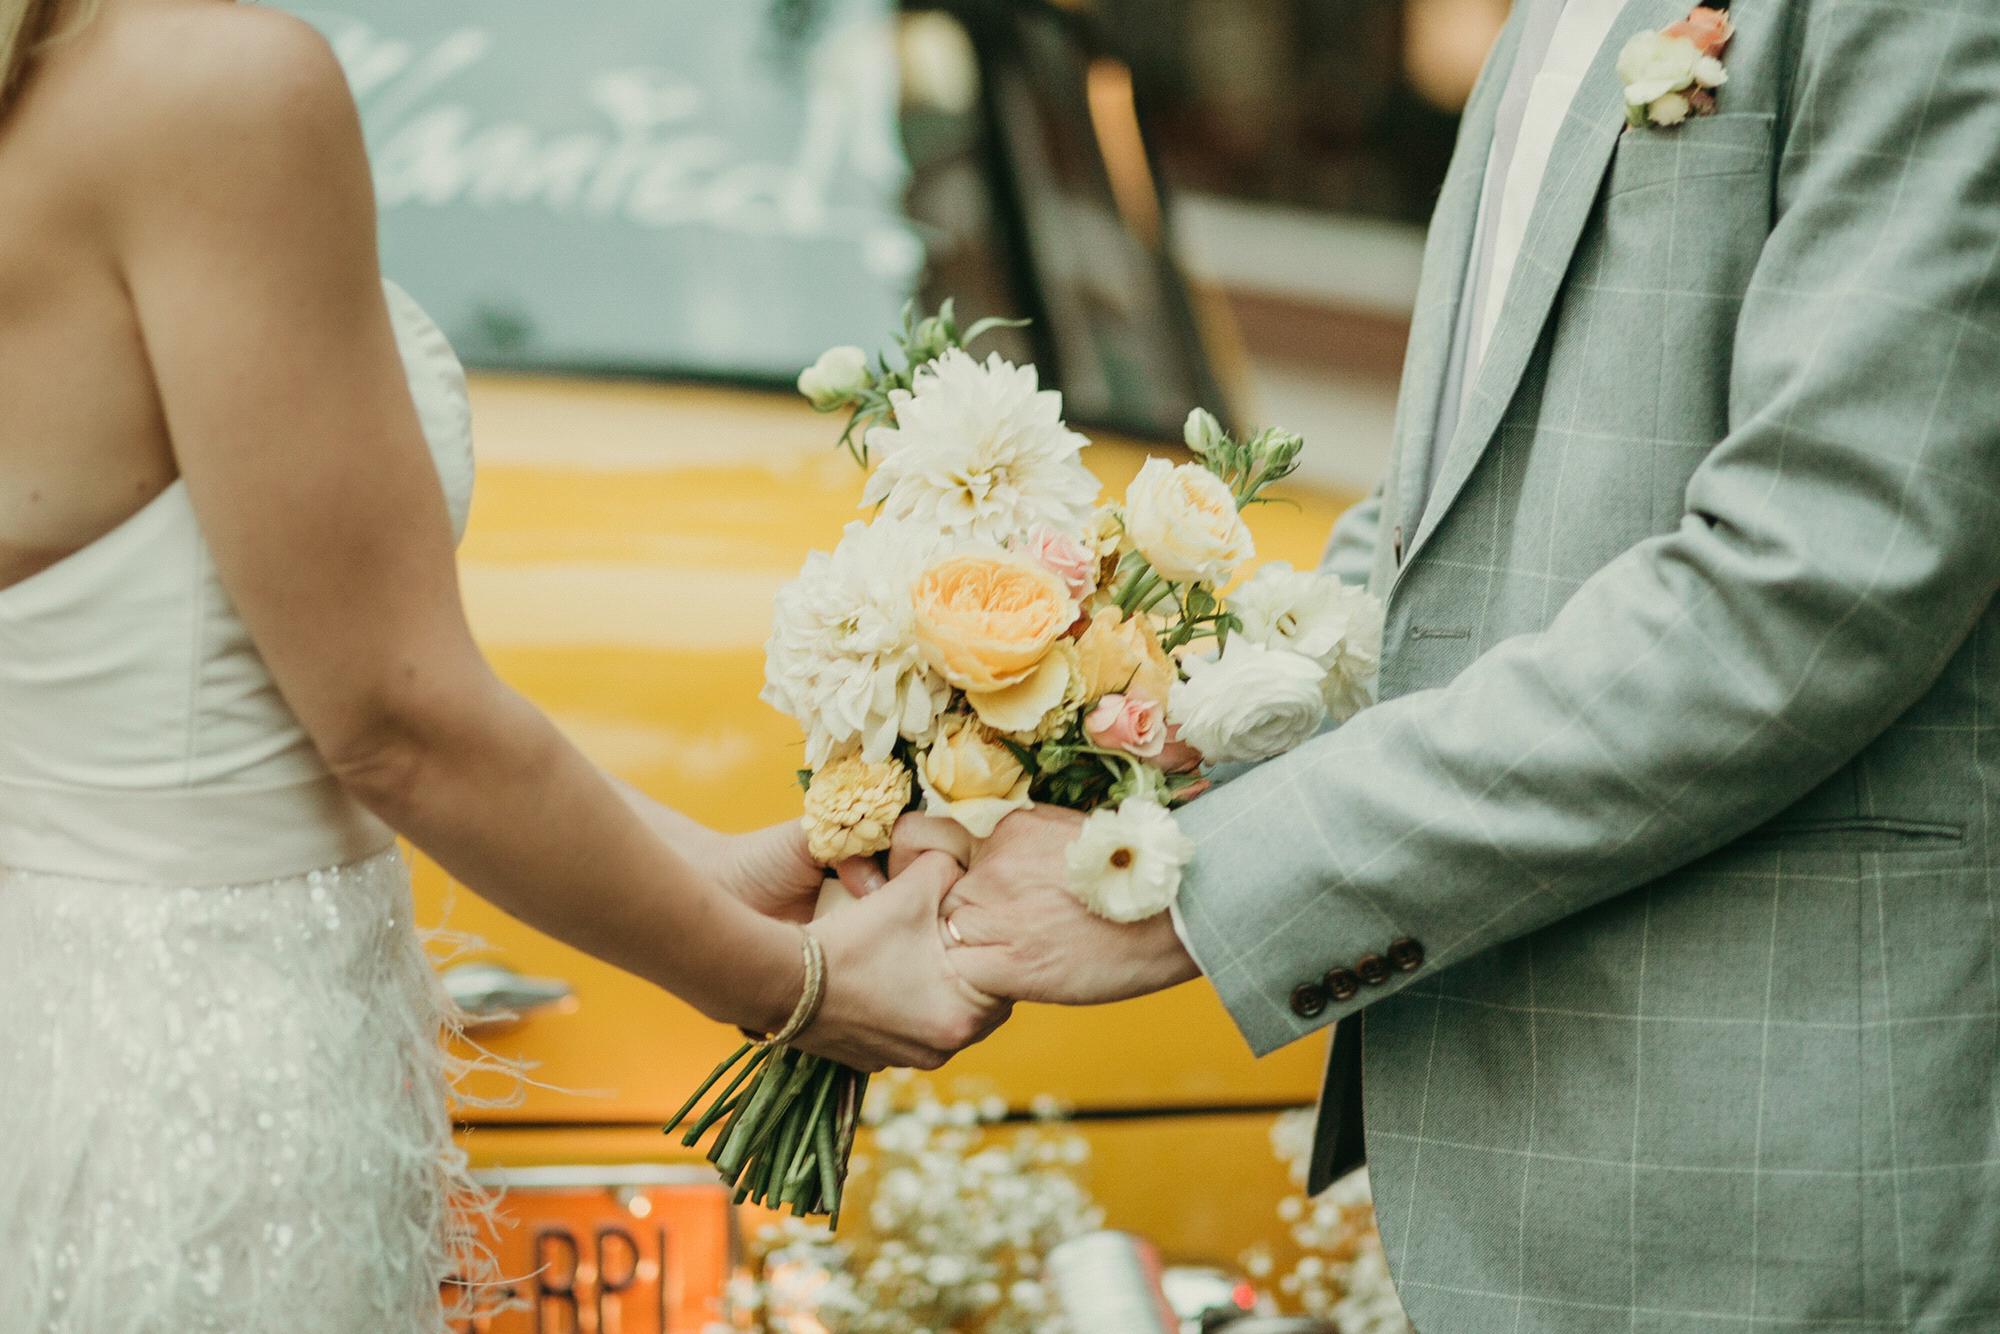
171, 80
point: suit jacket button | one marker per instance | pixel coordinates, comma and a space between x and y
1373, 968
1307, 1000
1341, 984
1406, 955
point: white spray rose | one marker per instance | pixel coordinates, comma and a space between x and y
1337, 625
1653, 64
1668, 109
839, 374
1184, 522
1125, 864
1249, 704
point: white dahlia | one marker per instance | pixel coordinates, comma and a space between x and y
979, 452
843, 657
1338, 625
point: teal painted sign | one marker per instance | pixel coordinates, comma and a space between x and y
636, 185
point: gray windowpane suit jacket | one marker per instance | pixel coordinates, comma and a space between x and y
1684, 774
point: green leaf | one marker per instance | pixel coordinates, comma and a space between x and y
805, 777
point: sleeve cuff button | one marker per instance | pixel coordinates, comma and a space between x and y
1308, 1000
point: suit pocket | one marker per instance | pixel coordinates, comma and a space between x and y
1857, 833
1701, 149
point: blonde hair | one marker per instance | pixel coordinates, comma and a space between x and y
26, 26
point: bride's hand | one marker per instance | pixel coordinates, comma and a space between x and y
892, 998
770, 870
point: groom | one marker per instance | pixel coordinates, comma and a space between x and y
1663, 879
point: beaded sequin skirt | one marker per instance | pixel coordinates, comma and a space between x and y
225, 1109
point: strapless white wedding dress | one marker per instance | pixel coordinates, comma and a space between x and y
222, 1087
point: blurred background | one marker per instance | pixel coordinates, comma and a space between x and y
637, 220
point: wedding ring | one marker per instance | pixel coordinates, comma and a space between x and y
951, 929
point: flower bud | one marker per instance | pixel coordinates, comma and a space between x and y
1202, 431
833, 381
931, 340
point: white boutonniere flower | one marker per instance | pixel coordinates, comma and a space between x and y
1673, 73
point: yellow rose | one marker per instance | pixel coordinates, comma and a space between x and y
1184, 522
1122, 655
986, 624
851, 807
969, 777
1063, 710
1105, 533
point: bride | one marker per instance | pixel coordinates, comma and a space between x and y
233, 665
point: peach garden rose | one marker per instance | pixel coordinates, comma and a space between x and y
986, 623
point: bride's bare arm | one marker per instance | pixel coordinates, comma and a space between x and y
243, 215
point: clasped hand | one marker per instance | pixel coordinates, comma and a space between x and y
931, 960
1013, 929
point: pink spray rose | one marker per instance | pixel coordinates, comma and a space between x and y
1709, 30
1131, 723
1066, 558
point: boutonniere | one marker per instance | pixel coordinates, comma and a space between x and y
1673, 73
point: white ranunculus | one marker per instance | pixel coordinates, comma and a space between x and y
837, 376
1337, 625
1249, 704
1653, 64
1125, 864
981, 453
1183, 520
843, 657
1709, 73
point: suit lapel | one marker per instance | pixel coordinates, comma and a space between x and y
1577, 162
1441, 281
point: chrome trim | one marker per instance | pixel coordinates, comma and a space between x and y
586, 1177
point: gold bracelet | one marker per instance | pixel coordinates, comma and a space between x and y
809, 1000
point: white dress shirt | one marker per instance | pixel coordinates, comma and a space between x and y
1559, 41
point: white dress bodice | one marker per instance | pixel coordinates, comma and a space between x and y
142, 737
225, 1098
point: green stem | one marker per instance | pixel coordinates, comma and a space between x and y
829, 1181
852, 1099
724, 1101
1141, 581
708, 1084
744, 1134
795, 1169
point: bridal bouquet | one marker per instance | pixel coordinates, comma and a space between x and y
996, 636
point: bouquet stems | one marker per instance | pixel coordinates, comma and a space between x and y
784, 1140
784, 1124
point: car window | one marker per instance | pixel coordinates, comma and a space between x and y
681, 188
636, 184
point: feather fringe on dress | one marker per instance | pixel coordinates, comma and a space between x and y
225, 1109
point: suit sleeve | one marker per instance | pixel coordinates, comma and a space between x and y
1835, 549
1350, 552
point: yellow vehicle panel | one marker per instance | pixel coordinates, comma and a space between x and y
626, 541
1202, 1188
